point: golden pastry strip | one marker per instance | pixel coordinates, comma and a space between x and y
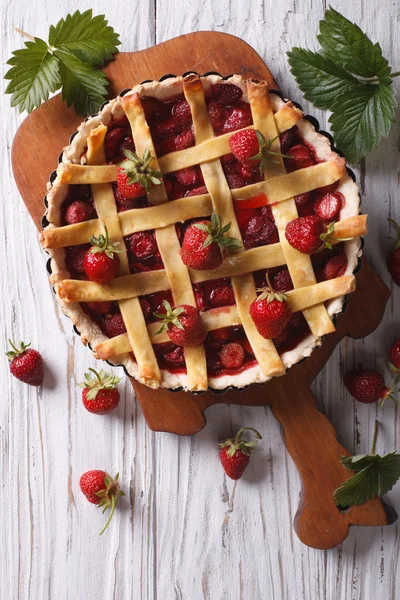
299, 299
130, 308
214, 178
168, 243
299, 265
276, 189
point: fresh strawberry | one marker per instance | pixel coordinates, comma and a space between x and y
304, 234
190, 176
235, 453
394, 364
260, 231
393, 259
183, 324
301, 158
282, 282
270, 312
101, 262
237, 117
181, 111
367, 386
205, 243
328, 205
101, 489
197, 191
113, 325
99, 394
244, 146
142, 244
75, 257
79, 211
226, 93
232, 356
222, 296
26, 364
101, 308
334, 267
135, 175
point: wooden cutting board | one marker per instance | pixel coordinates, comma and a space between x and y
309, 436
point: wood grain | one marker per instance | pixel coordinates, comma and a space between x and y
177, 537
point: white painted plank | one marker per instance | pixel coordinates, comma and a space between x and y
183, 531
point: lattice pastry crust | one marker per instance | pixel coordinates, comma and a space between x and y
84, 161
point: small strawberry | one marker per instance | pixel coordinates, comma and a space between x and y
75, 257
301, 157
328, 205
181, 111
196, 191
232, 355
282, 281
99, 394
101, 262
252, 149
226, 93
190, 176
308, 234
270, 312
205, 244
235, 453
367, 386
183, 140
26, 364
260, 231
79, 211
101, 308
394, 364
237, 117
113, 325
393, 259
113, 141
135, 176
183, 324
101, 489
335, 267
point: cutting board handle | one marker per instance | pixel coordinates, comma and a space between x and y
312, 444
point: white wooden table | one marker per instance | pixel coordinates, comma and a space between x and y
183, 530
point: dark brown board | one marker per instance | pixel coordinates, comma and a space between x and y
309, 436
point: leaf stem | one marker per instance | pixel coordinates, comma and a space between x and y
376, 427
27, 35
395, 74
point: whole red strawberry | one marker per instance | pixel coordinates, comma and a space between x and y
270, 312
235, 453
304, 234
393, 259
183, 324
26, 364
244, 145
101, 262
79, 211
394, 364
101, 489
204, 244
367, 386
135, 176
99, 394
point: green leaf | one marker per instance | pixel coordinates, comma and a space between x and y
33, 75
362, 117
375, 475
83, 86
321, 80
346, 44
89, 38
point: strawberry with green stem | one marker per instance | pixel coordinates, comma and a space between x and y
135, 175
308, 234
99, 394
235, 453
26, 364
101, 262
183, 324
250, 147
101, 489
368, 386
270, 312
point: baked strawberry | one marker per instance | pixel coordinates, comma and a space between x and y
393, 259
282, 282
181, 111
79, 211
101, 308
301, 157
226, 94
135, 175
99, 395
190, 176
183, 324
197, 191
304, 234
237, 117
232, 356
205, 244
114, 138
328, 205
270, 312
153, 107
260, 231
101, 489
113, 325
235, 453
174, 356
287, 139
334, 267
235, 180
75, 257
26, 364
216, 113
367, 386
184, 139
142, 244
101, 262
394, 364
222, 296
